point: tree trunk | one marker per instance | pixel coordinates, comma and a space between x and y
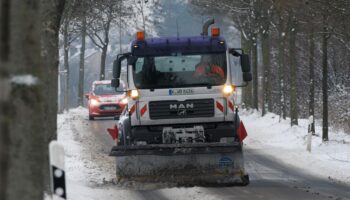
143, 16
266, 101
120, 25
281, 72
28, 107
255, 74
4, 94
103, 63
312, 82
325, 84
4, 136
66, 65
81, 64
293, 75
246, 91
51, 13
104, 52
4, 29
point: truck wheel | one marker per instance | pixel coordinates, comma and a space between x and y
245, 180
91, 117
121, 139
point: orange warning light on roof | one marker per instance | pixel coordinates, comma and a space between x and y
215, 32
140, 35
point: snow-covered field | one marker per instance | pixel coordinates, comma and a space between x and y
90, 171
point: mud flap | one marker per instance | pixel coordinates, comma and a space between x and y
202, 164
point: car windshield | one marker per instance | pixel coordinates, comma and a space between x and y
105, 89
180, 71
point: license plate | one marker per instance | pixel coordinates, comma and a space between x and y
109, 108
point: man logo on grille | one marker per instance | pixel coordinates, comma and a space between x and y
182, 112
181, 108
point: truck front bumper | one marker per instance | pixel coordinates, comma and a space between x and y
213, 132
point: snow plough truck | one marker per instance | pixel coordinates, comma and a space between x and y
180, 124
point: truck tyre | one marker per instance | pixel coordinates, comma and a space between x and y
91, 117
245, 180
121, 139
122, 136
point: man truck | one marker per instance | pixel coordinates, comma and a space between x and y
180, 123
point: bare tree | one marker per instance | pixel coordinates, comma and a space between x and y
69, 31
312, 81
293, 68
83, 31
104, 13
326, 52
140, 7
282, 27
266, 17
83, 8
325, 38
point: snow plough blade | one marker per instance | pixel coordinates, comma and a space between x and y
195, 164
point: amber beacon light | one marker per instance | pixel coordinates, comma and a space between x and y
140, 35
215, 32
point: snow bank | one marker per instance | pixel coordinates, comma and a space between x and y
83, 173
275, 138
72, 147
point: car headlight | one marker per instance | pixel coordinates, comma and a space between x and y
94, 102
124, 101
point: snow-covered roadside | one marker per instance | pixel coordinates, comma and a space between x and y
82, 172
82, 155
268, 135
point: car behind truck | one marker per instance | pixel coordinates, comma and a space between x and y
181, 124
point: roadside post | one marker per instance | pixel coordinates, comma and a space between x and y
57, 171
309, 134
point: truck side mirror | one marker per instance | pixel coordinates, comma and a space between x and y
245, 63
247, 76
87, 95
115, 82
117, 66
116, 74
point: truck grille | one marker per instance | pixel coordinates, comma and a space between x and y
181, 109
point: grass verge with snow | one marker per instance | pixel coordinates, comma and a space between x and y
276, 138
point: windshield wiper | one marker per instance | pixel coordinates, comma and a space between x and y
209, 86
153, 87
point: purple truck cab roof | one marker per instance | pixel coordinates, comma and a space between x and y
164, 46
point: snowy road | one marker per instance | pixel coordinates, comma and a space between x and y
91, 173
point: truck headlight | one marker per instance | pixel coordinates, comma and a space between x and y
228, 90
94, 102
134, 94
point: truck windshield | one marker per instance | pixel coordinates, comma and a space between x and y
180, 71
